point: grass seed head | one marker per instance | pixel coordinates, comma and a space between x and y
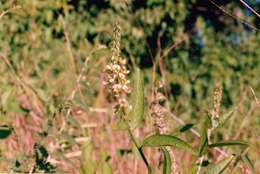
158, 111
116, 75
215, 112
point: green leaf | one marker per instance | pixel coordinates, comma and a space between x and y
104, 155
87, 151
166, 161
186, 127
220, 167
205, 163
106, 168
182, 129
137, 100
168, 140
88, 167
229, 143
245, 158
41, 155
5, 131
203, 148
41, 151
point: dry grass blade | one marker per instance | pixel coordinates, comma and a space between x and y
250, 8
68, 45
255, 97
73, 93
2, 14
232, 16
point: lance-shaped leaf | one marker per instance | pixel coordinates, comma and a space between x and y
229, 143
203, 148
220, 167
88, 166
166, 161
5, 131
105, 166
168, 140
183, 129
137, 100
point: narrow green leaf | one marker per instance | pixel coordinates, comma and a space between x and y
5, 131
229, 143
203, 148
182, 129
186, 127
106, 168
245, 158
205, 163
104, 156
88, 167
87, 151
168, 140
220, 167
137, 100
166, 161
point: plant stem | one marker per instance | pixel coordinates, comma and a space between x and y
139, 148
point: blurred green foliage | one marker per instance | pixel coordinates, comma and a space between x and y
33, 39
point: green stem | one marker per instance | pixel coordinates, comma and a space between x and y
139, 148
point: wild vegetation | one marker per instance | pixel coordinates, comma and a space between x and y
118, 86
